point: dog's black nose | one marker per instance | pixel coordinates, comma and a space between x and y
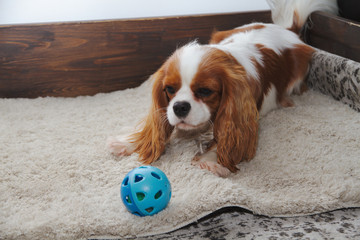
181, 109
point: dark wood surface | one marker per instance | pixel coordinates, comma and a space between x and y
334, 34
85, 58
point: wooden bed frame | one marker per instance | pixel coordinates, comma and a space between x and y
334, 34
85, 58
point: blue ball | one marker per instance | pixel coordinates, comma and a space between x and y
145, 191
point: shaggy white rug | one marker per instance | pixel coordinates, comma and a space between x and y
57, 180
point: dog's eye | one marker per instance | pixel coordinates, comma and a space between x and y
170, 89
203, 92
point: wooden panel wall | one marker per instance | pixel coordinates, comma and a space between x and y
334, 34
84, 58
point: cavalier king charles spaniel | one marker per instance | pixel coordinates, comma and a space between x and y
218, 92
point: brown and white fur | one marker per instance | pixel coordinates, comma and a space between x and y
222, 88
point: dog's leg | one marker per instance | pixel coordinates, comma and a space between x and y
286, 101
303, 88
209, 162
120, 145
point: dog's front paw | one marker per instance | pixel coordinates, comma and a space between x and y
208, 161
120, 146
215, 168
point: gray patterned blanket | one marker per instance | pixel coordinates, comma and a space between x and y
336, 76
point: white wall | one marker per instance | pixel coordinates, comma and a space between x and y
36, 11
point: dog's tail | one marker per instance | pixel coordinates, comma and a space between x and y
292, 14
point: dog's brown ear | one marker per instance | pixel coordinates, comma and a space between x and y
155, 130
236, 122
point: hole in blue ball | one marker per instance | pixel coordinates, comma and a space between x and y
126, 181
137, 214
128, 200
158, 194
149, 210
140, 196
138, 178
155, 175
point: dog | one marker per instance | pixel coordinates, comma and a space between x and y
221, 89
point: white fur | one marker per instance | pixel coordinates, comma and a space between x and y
190, 57
198, 114
269, 102
269, 37
282, 11
242, 50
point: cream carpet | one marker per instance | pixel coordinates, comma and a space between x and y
57, 180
